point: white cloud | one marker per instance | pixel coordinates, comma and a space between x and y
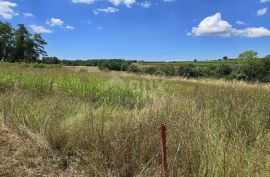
26, 14
240, 23
106, 10
215, 26
6, 9
168, 0
70, 27
263, 1
83, 1
128, 3
55, 22
40, 29
253, 32
261, 12
146, 4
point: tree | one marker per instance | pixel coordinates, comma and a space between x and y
50, 60
20, 45
39, 45
21, 35
249, 54
30, 54
225, 58
6, 41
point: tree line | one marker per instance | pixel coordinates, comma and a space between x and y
19, 45
248, 67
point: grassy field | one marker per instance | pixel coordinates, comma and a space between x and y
93, 123
197, 63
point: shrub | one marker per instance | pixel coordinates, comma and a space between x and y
133, 68
253, 69
189, 71
224, 70
150, 70
167, 70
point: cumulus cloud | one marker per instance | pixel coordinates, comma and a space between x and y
26, 14
261, 12
106, 10
55, 22
253, 32
215, 26
6, 9
40, 29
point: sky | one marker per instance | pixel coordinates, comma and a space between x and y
150, 30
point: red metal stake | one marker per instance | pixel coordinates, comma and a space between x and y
164, 161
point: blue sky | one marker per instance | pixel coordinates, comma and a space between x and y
162, 30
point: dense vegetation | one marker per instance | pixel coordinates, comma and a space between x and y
106, 123
247, 67
18, 45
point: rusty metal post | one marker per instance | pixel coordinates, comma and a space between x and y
164, 162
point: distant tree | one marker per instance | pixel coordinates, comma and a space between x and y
21, 37
6, 41
225, 58
50, 60
195, 60
249, 54
267, 57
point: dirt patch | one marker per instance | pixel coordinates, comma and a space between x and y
19, 157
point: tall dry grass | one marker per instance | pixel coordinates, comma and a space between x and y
108, 122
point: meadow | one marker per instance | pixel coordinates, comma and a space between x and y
95, 123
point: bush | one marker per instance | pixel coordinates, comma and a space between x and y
224, 70
252, 69
168, 70
150, 70
50, 60
133, 68
189, 71
115, 65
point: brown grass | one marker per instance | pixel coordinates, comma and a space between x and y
215, 128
